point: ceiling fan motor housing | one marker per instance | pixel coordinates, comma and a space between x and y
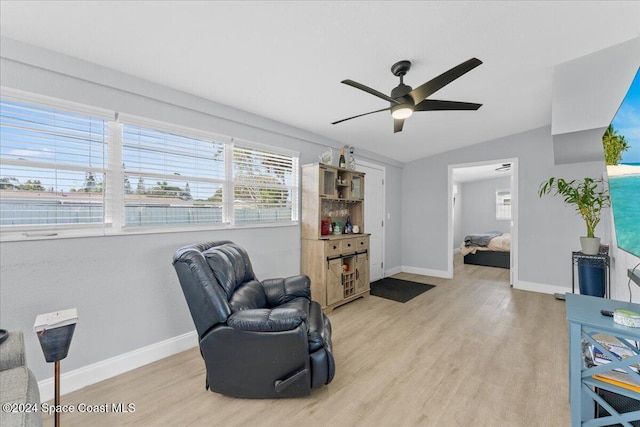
401, 92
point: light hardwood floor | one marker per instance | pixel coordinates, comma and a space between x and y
470, 352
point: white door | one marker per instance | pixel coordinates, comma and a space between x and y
374, 217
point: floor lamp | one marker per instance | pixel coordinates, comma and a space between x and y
55, 331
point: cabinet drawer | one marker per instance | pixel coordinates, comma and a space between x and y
332, 248
362, 243
349, 246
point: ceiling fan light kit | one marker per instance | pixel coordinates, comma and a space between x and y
405, 100
401, 111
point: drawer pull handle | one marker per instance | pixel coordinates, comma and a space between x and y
335, 247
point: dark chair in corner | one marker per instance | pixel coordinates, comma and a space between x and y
258, 339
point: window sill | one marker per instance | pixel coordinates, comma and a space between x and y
26, 235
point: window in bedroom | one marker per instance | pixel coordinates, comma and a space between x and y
503, 204
52, 167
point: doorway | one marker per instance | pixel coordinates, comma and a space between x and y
476, 172
374, 216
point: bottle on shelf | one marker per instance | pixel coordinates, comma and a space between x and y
348, 228
342, 162
352, 161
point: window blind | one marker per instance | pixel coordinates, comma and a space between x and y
52, 166
70, 167
264, 186
171, 179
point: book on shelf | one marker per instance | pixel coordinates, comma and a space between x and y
619, 379
617, 376
615, 347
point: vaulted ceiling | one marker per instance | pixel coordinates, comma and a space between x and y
285, 60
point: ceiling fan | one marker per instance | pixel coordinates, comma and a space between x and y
405, 101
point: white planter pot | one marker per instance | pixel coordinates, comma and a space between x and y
590, 245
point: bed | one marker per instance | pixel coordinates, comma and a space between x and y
490, 249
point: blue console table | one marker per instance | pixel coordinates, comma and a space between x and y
585, 321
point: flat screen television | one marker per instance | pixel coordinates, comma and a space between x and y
621, 144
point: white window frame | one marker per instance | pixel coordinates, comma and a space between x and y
42, 231
113, 198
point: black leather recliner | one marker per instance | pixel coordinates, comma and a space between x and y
258, 339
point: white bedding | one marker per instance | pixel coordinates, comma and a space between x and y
500, 243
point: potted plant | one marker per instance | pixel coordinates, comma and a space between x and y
588, 197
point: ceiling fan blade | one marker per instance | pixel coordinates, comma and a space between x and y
360, 115
421, 92
436, 105
369, 90
397, 125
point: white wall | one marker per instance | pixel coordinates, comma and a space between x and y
479, 213
124, 287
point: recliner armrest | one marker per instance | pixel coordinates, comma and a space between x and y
266, 320
280, 291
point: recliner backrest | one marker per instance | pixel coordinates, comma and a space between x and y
206, 299
230, 265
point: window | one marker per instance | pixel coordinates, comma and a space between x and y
503, 204
264, 186
171, 179
52, 169
62, 167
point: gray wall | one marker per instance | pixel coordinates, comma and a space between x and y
546, 227
479, 206
586, 94
124, 286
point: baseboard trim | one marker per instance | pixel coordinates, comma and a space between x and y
96, 372
540, 287
392, 271
427, 272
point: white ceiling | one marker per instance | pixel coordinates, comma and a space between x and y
284, 60
475, 173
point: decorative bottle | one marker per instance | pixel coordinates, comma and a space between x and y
348, 228
352, 161
342, 163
